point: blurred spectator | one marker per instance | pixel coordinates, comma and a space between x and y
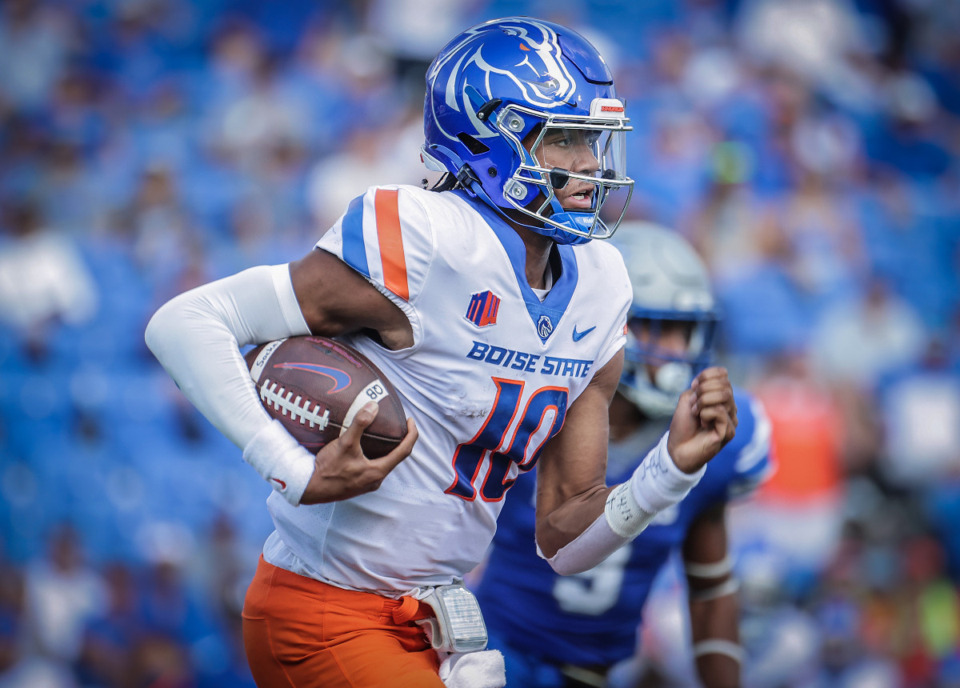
813, 37
11, 613
44, 280
413, 31
933, 612
826, 257
779, 635
369, 157
223, 576
919, 405
36, 39
160, 662
260, 118
808, 486
844, 659
158, 225
224, 570
732, 225
909, 139
183, 645
110, 639
62, 593
858, 340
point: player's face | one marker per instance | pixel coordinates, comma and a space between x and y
573, 150
670, 338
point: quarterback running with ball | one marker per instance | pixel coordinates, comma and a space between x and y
493, 307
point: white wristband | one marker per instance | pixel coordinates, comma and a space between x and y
624, 515
658, 483
280, 460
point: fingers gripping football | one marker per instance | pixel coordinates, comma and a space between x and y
341, 470
704, 422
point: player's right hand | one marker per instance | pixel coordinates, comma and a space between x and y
341, 470
704, 422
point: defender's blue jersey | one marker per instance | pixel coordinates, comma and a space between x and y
591, 618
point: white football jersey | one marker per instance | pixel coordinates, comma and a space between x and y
488, 380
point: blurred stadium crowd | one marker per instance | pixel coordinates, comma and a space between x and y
809, 148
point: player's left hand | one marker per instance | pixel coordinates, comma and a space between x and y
705, 420
341, 470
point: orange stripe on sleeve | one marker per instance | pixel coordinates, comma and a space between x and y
391, 242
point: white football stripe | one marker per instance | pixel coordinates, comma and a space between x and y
256, 370
375, 391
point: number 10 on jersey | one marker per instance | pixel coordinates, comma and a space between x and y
545, 405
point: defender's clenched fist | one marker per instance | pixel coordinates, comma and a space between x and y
705, 420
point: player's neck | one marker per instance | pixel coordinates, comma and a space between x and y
539, 248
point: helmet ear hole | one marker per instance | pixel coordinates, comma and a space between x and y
472, 144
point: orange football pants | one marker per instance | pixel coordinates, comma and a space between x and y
301, 633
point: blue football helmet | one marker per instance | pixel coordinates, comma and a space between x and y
515, 81
671, 286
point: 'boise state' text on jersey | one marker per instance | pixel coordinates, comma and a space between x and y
488, 380
540, 614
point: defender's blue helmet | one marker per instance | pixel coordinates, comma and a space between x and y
671, 287
510, 82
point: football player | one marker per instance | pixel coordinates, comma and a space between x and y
567, 632
488, 304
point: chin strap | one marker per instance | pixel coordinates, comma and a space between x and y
584, 222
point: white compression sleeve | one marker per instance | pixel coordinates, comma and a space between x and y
656, 484
586, 550
197, 338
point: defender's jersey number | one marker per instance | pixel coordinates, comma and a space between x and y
548, 404
596, 591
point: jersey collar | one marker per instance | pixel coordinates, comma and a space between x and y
546, 314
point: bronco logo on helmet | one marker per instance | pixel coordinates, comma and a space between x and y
540, 77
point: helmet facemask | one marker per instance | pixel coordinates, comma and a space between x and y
540, 187
655, 376
672, 323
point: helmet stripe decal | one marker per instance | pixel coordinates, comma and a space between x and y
354, 248
386, 206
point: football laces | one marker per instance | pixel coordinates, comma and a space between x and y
272, 394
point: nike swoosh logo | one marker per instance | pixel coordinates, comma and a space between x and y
283, 485
341, 380
577, 336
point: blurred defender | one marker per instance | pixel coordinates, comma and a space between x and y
567, 632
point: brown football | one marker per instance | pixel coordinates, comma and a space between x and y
315, 386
